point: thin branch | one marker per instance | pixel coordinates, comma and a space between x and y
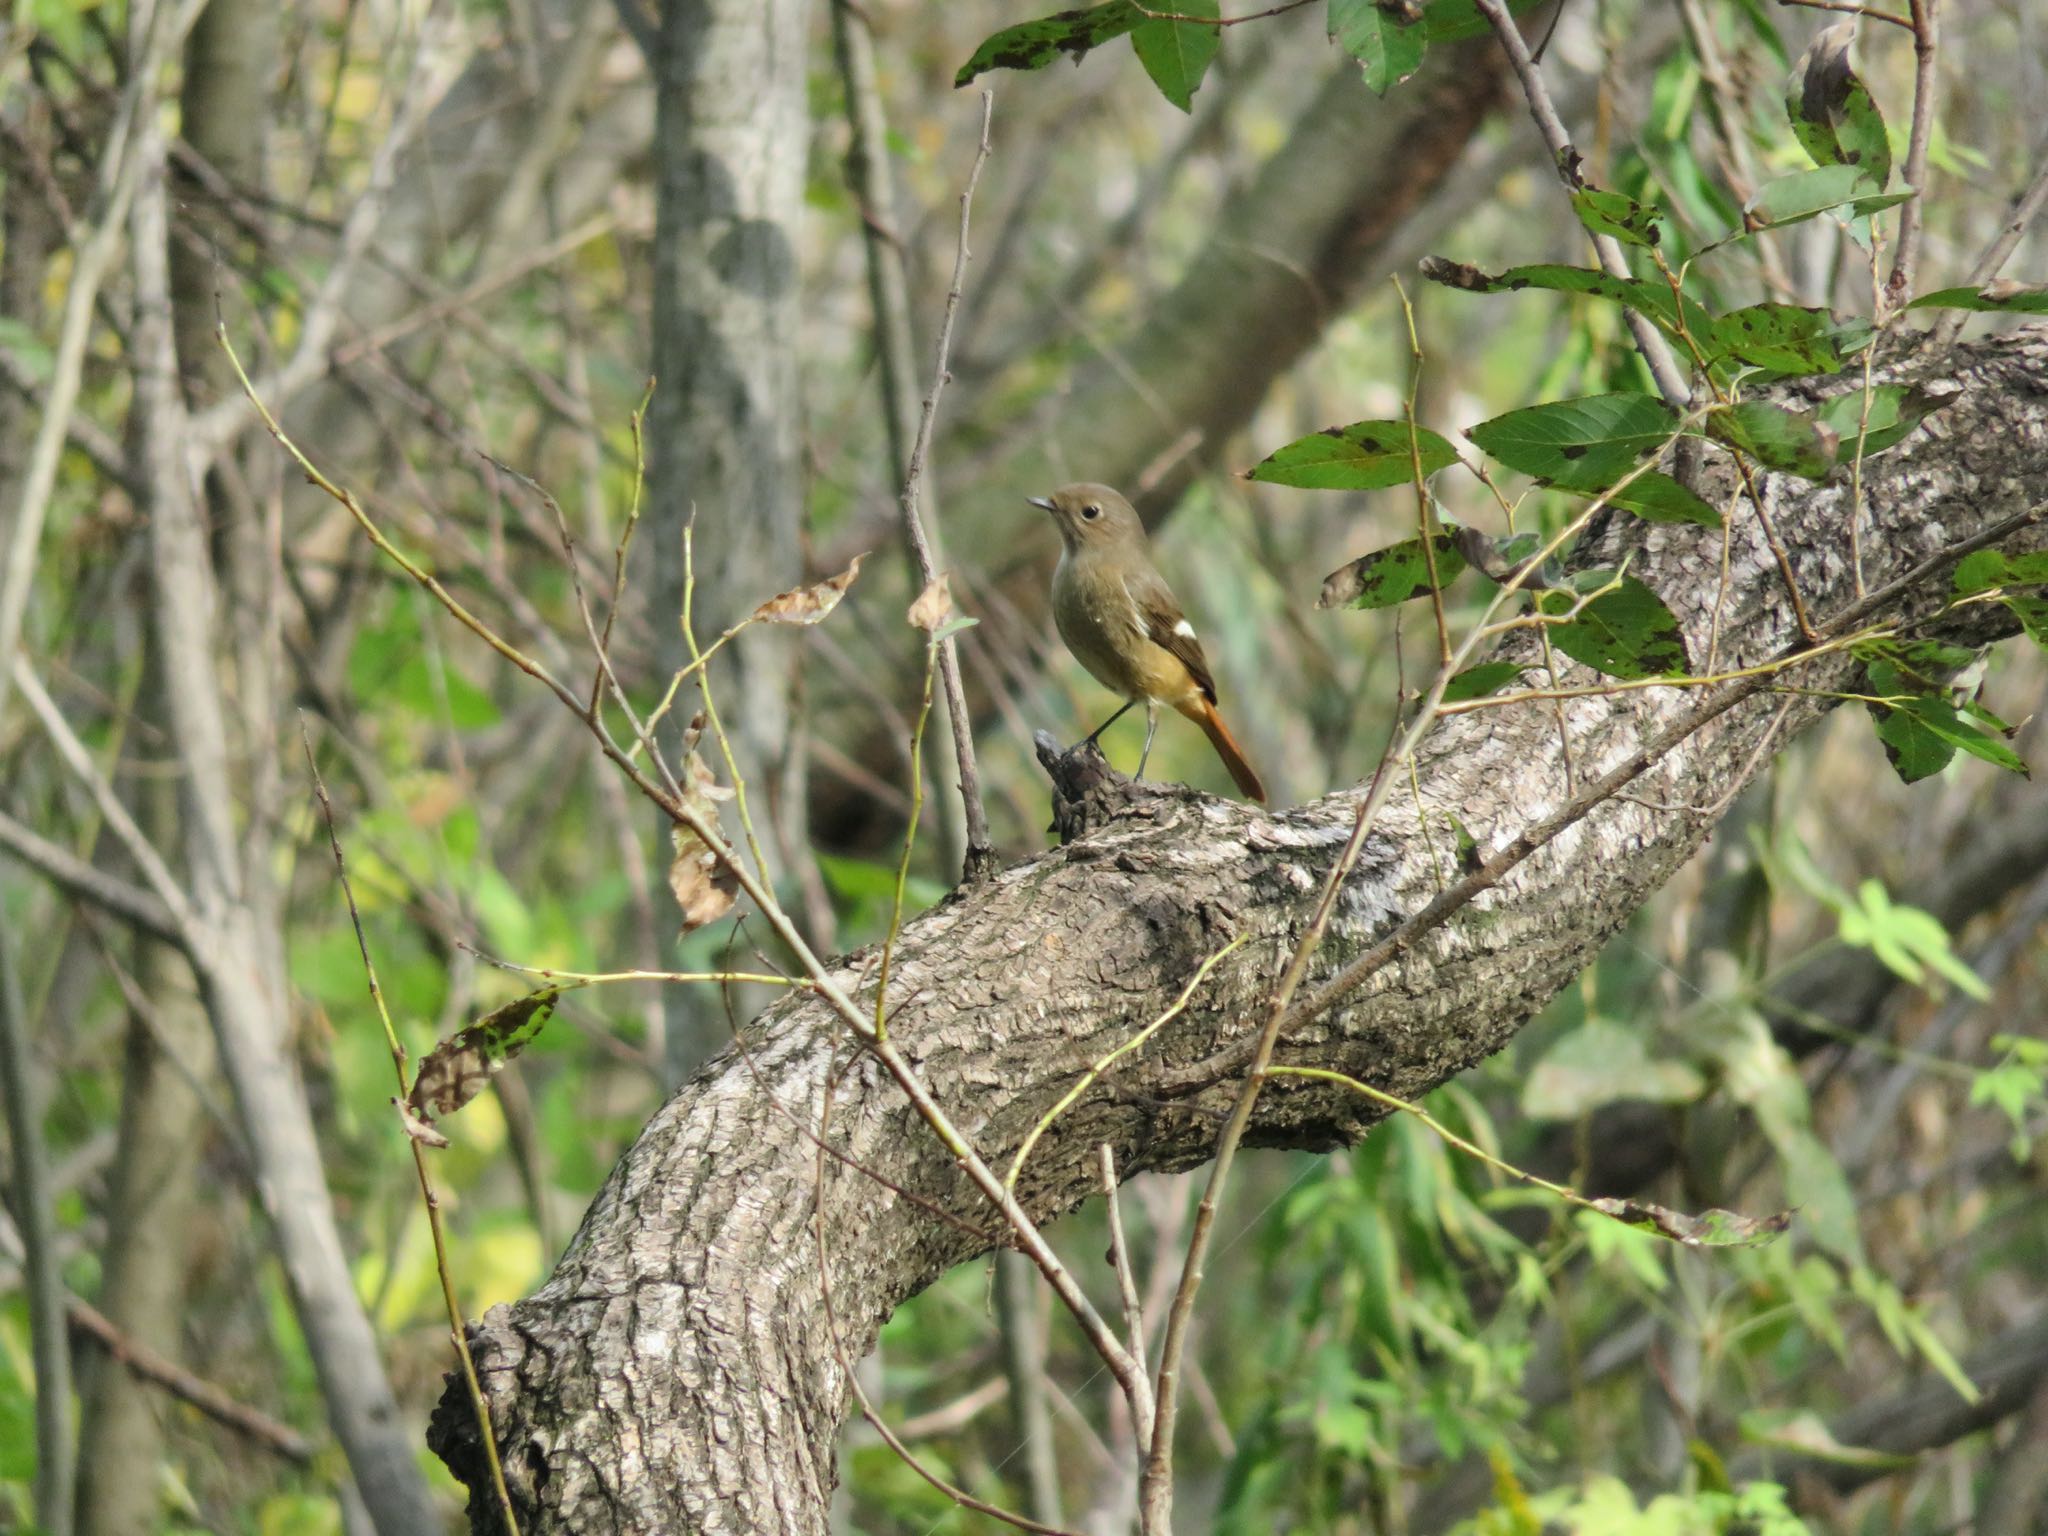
1565, 160
1219, 21
1926, 57
980, 860
1120, 1256
147, 1365
458, 1331
1845, 8
2025, 209
88, 882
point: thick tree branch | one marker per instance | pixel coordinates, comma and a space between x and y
676, 1371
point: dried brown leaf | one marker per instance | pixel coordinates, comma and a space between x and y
934, 605
1710, 1229
703, 888
808, 605
456, 1070
418, 1129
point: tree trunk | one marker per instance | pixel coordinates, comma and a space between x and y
725, 420
677, 1372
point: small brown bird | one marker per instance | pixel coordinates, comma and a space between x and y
1121, 621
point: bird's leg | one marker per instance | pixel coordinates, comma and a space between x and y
1151, 730
1089, 739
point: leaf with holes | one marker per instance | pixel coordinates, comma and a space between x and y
457, 1069
1784, 338
1833, 115
1176, 54
1777, 438
1365, 456
1647, 298
1582, 444
1035, 44
1392, 575
1387, 39
1626, 632
1616, 214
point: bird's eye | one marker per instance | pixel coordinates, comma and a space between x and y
1091, 511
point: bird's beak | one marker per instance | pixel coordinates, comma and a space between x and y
1043, 503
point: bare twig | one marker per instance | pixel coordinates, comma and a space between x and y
1120, 1256
88, 882
1738, 164
980, 860
2025, 209
146, 1364
1565, 160
1926, 56
457, 1330
1846, 8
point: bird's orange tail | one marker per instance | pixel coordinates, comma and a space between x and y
1204, 714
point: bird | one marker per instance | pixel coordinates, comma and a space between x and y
1122, 622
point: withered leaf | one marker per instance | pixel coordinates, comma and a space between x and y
1714, 1228
456, 1070
704, 889
808, 605
418, 1129
934, 605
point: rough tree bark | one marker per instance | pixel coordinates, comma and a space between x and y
676, 1372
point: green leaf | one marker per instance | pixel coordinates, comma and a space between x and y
1477, 682
1614, 213
1580, 444
1989, 570
1895, 410
1365, 456
1784, 338
1833, 115
1714, 1228
1387, 44
1653, 299
1776, 438
1391, 575
1176, 54
1657, 498
1808, 194
1602, 1063
2003, 297
1626, 632
1448, 20
1921, 730
1035, 44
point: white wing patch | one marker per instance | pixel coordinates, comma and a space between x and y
1137, 618
1185, 630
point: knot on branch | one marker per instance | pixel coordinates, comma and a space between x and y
1088, 793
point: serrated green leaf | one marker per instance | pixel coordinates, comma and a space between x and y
1477, 682
1657, 498
1035, 44
1177, 54
1388, 47
1808, 194
1784, 338
1391, 575
1832, 113
2004, 297
1365, 456
1776, 437
1626, 633
1616, 214
1583, 444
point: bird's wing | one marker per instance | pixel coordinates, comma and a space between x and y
1161, 621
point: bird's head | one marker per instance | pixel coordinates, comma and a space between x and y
1091, 516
